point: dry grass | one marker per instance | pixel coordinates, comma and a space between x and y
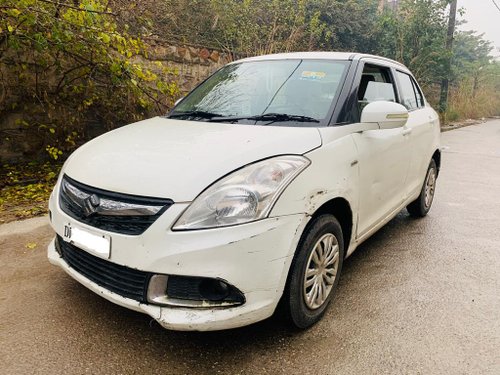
465, 102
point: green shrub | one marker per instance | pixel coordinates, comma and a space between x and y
67, 66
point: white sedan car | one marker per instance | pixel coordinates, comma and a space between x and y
250, 194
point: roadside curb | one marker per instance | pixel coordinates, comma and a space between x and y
469, 122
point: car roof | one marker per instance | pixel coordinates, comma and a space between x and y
319, 56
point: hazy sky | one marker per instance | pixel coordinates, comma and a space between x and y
482, 16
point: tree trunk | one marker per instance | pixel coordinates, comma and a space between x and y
443, 100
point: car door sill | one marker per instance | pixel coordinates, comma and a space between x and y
380, 224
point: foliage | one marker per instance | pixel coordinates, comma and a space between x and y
64, 65
250, 27
343, 25
24, 191
72, 69
410, 31
471, 54
476, 95
415, 34
475, 79
178, 21
278, 26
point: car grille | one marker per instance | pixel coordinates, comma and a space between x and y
126, 282
122, 215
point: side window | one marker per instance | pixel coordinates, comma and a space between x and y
376, 84
420, 97
409, 97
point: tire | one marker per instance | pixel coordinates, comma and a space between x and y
421, 206
299, 310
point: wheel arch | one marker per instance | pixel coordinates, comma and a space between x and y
341, 209
437, 158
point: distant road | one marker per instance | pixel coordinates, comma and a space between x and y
420, 297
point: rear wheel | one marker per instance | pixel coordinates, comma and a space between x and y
315, 272
421, 206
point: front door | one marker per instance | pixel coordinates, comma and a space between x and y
383, 154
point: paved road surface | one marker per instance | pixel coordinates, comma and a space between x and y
420, 297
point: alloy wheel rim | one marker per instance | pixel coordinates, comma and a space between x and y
321, 271
430, 187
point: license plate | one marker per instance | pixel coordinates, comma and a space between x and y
97, 244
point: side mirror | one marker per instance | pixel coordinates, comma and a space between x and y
178, 101
388, 115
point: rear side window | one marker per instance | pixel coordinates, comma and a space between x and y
411, 97
420, 97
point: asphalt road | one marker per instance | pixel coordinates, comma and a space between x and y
420, 297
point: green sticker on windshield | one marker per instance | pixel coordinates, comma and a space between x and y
313, 75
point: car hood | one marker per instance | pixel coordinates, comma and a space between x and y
177, 159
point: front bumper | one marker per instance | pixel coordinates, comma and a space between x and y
255, 258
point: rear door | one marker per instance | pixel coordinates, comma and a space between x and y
383, 154
420, 128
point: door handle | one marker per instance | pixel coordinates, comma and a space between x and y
407, 131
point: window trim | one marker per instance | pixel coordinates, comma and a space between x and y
415, 86
419, 91
350, 110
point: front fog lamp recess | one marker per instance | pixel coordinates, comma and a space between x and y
213, 290
185, 291
243, 196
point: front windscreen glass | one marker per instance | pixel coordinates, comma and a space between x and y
281, 92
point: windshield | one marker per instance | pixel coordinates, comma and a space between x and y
282, 92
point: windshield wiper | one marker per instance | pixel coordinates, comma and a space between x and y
194, 114
272, 117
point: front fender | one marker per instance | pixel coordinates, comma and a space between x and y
333, 173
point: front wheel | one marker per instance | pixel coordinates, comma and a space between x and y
421, 206
315, 272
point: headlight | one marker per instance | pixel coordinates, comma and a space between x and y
243, 196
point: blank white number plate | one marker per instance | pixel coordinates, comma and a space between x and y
96, 244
